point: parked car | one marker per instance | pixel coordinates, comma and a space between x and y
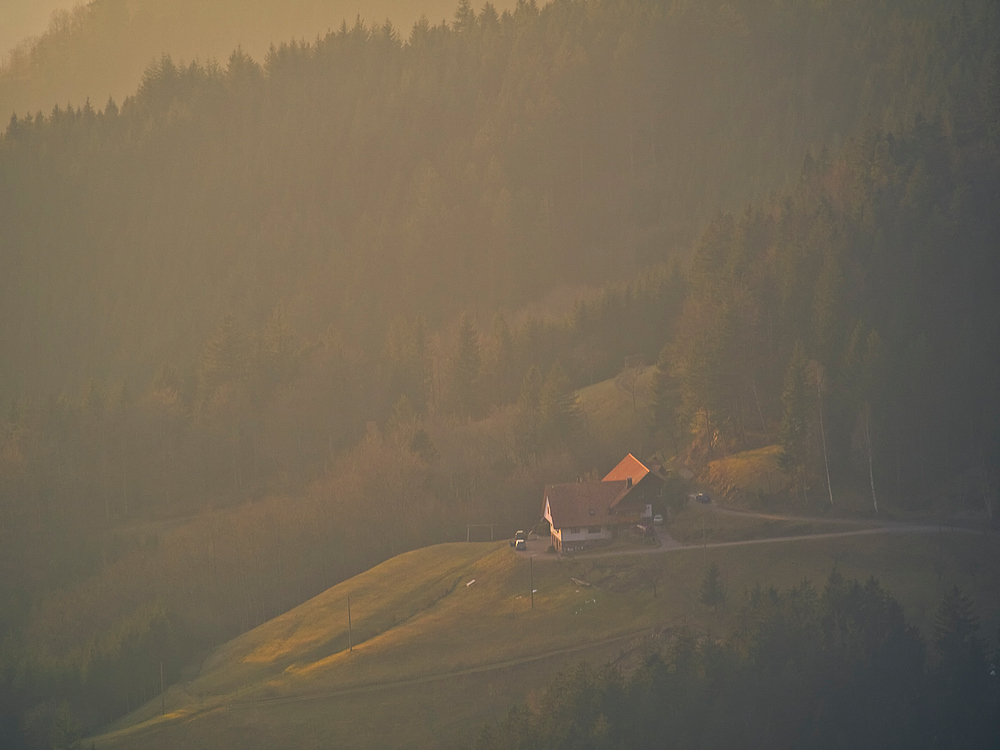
520, 545
519, 536
658, 520
702, 497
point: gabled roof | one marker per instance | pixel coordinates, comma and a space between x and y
583, 503
630, 466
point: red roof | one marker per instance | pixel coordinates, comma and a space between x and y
583, 503
628, 467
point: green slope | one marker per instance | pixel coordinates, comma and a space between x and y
618, 422
435, 658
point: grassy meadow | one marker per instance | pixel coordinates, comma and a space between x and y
436, 656
696, 524
615, 422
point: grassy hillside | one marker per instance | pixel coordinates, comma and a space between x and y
436, 655
616, 422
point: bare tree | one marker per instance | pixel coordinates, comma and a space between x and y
863, 444
629, 377
818, 374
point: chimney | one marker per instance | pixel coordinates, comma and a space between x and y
628, 481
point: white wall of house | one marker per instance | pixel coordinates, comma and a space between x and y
585, 533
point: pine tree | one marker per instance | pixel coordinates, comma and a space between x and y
465, 16
962, 672
712, 593
956, 625
526, 426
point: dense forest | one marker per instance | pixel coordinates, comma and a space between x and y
307, 302
97, 48
840, 668
474, 166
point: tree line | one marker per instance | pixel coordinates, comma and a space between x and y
837, 668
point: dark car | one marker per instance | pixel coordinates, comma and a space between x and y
520, 540
702, 497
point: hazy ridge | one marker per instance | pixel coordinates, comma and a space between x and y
99, 49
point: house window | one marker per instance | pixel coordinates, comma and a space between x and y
593, 529
574, 530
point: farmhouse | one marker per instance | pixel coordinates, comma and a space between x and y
581, 514
646, 483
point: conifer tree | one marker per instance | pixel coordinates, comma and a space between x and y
963, 669
712, 593
526, 425
465, 16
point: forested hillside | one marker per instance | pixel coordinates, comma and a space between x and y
836, 668
473, 165
99, 48
21, 19
287, 300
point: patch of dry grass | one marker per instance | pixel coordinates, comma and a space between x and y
432, 679
612, 419
694, 525
749, 474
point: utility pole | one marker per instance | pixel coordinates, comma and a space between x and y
350, 640
704, 541
531, 582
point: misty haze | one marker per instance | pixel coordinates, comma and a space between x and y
409, 374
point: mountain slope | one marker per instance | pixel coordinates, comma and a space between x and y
436, 655
100, 48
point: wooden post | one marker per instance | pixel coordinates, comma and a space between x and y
350, 640
163, 700
531, 582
